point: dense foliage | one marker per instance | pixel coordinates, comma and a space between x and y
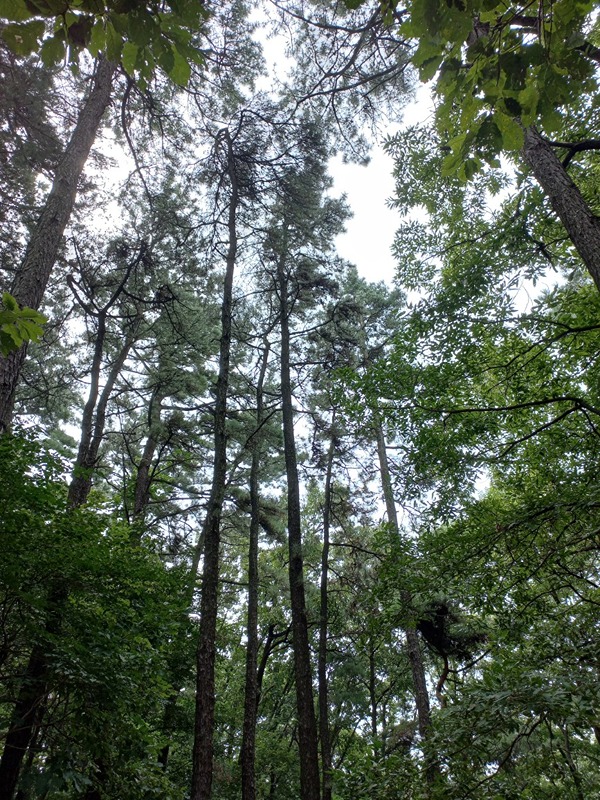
268, 529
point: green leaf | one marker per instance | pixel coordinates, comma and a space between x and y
142, 28
529, 99
180, 71
129, 57
18, 325
511, 131
9, 302
114, 42
97, 38
53, 50
166, 59
489, 135
15, 10
23, 38
428, 68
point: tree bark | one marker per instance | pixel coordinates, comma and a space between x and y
202, 770
373, 698
324, 731
307, 725
40, 256
567, 201
248, 751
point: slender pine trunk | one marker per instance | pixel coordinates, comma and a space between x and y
202, 770
143, 478
307, 724
373, 706
94, 418
40, 256
248, 752
324, 731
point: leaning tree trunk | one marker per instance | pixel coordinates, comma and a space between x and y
307, 724
413, 648
32, 276
143, 478
248, 751
202, 770
581, 224
94, 418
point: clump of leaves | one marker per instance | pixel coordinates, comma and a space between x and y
18, 325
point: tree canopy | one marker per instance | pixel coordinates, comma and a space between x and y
270, 529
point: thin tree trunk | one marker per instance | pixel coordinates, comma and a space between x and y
33, 274
143, 478
248, 751
567, 201
31, 701
413, 648
307, 725
324, 732
373, 697
92, 425
202, 770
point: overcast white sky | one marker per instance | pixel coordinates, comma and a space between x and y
371, 230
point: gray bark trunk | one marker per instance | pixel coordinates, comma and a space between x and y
324, 731
202, 770
567, 201
93, 420
251, 687
143, 479
307, 724
33, 274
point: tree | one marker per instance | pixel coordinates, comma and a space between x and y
139, 35
204, 723
108, 635
298, 236
32, 276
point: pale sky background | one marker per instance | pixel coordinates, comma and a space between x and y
371, 230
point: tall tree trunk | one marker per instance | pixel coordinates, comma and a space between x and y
32, 276
307, 724
251, 687
413, 648
324, 732
202, 770
567, 201
31, 701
